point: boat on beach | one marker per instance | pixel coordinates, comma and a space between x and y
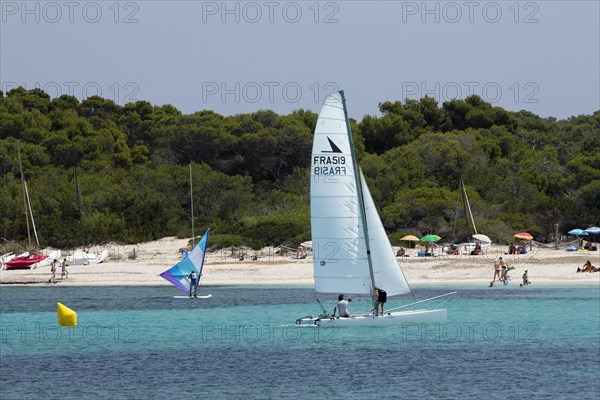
26, 261
351, 251
83, 257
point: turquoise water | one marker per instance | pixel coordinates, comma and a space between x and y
535, 342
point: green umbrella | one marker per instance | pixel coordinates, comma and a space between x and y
430, 238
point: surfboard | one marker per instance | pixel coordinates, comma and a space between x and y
188, 297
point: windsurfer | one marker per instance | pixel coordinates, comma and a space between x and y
342, 307
193, 277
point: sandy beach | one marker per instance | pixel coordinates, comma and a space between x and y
544, 265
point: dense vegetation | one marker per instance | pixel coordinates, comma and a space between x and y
251, 171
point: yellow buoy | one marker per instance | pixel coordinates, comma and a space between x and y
66, 316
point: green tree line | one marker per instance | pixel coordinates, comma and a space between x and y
251, 171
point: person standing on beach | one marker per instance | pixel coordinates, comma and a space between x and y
497, 269
342, 307
53, 270
525, 279
193, 277
63, 269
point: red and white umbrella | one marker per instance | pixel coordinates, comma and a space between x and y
523, 235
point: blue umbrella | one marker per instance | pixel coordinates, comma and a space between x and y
594, 230
578, 232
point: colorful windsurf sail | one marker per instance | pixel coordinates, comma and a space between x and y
194, 261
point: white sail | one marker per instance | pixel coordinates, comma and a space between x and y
340, 263
387, 272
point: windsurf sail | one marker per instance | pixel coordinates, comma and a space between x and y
194, 261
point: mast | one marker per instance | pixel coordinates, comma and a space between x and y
24, 192
37, 241
468, 212
361, 202
467, 205
81, 233
192, 203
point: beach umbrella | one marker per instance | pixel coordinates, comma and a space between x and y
594, 230
482, 238
523, 235
307, 244
577, 232
410, 238
430, 238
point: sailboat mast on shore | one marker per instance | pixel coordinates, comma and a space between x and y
27, 202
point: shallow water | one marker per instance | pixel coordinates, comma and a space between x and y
535, 342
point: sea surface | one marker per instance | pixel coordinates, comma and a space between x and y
539, 342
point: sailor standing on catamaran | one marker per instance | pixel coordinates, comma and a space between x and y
381, 299
193, 277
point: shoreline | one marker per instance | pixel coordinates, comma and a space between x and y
222, 268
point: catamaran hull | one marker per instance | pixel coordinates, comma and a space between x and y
389, 319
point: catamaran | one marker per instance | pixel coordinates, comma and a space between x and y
194, 261
351, 251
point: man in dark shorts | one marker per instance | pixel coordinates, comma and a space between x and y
381, 299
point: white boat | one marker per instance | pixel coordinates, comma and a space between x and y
82, 257
7, 257
351, 251
55, 255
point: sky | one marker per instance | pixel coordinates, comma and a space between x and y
242, 56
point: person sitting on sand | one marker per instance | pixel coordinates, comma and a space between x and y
453, 250
477, 250
512, 249
588, 267
301, 253
401, 252
342, 307
427, 249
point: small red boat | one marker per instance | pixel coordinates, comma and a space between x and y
24, 262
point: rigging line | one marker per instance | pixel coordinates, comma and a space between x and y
31, 213
469, 206
24, 192
422, 301
192, 205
